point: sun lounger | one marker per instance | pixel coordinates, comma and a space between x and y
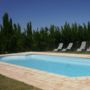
88, 49
59, 47
68, 47
83, 45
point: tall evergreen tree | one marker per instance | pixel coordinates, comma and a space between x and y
36, 40
52, 37
74, 32
66, 33
13, 39
7, 32
29, 37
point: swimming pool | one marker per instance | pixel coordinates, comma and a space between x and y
68, 66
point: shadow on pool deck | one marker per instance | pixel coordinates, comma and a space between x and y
10, 84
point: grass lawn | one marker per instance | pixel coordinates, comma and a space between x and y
10, 84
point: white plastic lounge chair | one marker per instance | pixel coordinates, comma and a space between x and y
59, 47
68, 47
88, 49
83, 45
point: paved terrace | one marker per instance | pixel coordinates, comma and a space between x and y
44, 80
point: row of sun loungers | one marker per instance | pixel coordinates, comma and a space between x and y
70, 45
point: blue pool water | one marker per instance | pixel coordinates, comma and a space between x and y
69, 66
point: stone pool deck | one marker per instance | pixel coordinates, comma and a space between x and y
44, 80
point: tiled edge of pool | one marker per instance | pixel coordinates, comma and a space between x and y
50, 53
43, 80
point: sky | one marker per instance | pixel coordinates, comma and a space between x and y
46, 12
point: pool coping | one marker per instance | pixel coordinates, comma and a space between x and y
50, 53
44, 80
